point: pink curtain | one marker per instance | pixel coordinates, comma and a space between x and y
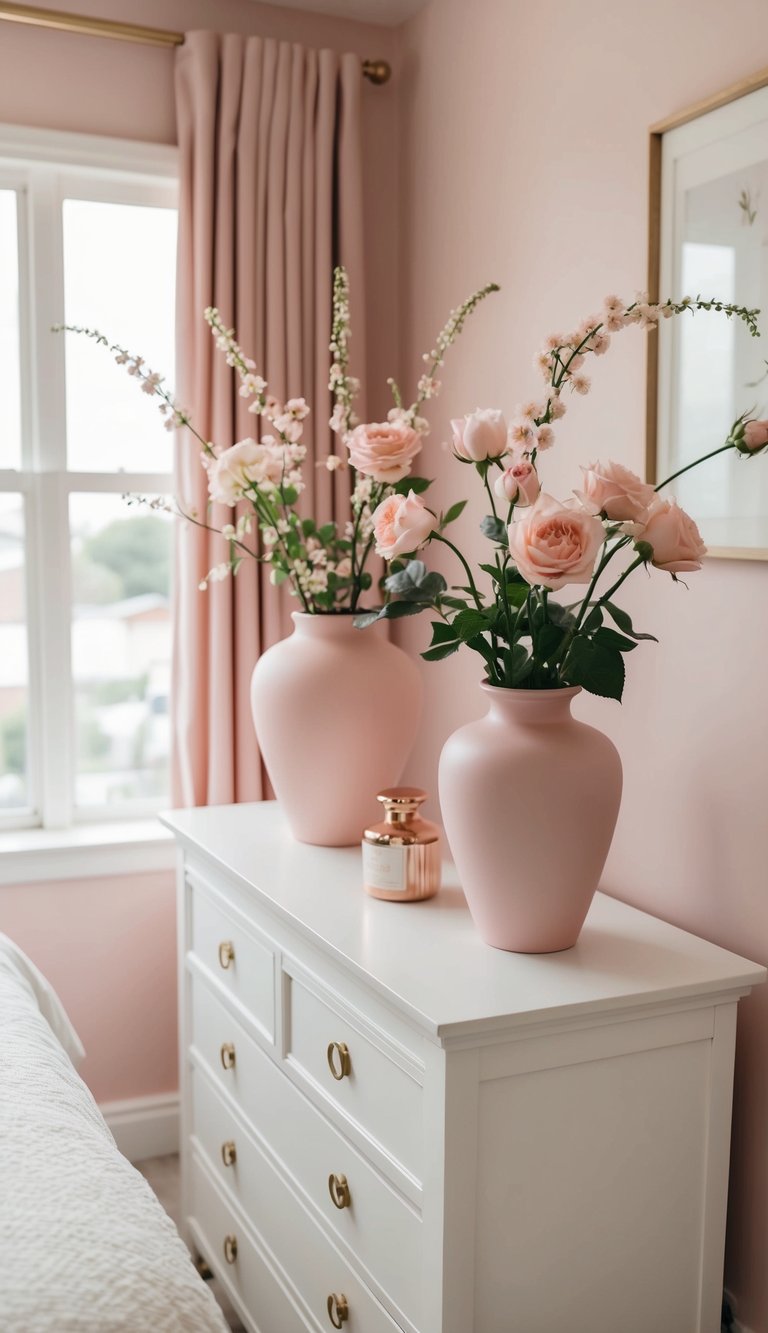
270, 199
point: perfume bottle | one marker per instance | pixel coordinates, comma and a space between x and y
401, 856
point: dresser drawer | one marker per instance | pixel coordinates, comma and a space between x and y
267, 1302
314, 1267
234, 953
372, 1080
383, 1231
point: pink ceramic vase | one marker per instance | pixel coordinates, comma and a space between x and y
336, 711
530, 799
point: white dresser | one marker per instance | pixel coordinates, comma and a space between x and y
387, 1125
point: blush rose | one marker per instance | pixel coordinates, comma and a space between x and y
384, 450
616, 491
755, 435
401, 524
553, 544
674, 538
481, 435
519, 484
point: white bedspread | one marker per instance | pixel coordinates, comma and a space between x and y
85, 1246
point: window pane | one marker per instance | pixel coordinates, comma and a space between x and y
10, 397
119, 277
121, 650
13, 657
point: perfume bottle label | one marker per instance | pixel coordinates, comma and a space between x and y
384, 867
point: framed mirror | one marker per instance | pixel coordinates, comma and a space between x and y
709, 236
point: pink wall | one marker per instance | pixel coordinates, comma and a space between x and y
526, 134
109, 949
109, 946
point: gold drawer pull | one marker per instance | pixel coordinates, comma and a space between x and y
338, 1310
226, 954
230, 1249
344, 1065
228, 1055
228, 1153
338, 1189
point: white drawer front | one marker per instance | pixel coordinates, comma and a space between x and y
235, 955
314, 1267
382, 1230
378, 1091
268, 1304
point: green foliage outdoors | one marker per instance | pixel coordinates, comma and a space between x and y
127, 558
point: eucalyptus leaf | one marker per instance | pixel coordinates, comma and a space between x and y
494, 529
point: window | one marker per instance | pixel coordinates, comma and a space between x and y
87, 237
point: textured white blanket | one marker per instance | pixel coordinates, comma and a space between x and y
85, 1246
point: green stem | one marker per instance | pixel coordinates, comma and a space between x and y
721, 450
436, 536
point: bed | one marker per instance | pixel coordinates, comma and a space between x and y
85, 1244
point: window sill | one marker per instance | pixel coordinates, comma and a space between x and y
85, 851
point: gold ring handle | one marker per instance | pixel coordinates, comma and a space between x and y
342, 1066
230, 1249
228, 1055
226, 954
228, 1153
338, 1188
338, 1310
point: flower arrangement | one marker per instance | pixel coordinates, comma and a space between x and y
323, 566
527, 638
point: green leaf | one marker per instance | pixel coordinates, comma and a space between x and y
405, 580
327, 533
480, 645
599, 669
455, 603
624, 622
416, 484
494, 572
442, 650
453, 513
610, 639
308, 526
289, 495
470, 622
548, 641
442, 633
367, 618
518, 665
494, 529
593, 621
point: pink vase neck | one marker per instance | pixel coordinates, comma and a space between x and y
335, 627
532, 708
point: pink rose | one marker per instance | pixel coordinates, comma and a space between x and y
519, 484
230, 475
554, 545
613, 490
755, 435
383, 450
401, 524
674, 537
481, 435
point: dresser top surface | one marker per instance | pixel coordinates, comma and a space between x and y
428, 959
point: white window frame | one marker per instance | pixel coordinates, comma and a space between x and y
45, 167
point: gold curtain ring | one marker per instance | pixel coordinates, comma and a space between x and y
228, 1153
230, 1249
226, 954
228, 1055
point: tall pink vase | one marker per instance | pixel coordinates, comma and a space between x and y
529, 798
336, 711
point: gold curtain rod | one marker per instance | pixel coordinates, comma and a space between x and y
377, 71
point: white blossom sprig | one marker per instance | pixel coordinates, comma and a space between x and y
343, 386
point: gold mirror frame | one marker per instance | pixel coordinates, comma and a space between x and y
731, 94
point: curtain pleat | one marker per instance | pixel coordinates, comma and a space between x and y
270, 199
